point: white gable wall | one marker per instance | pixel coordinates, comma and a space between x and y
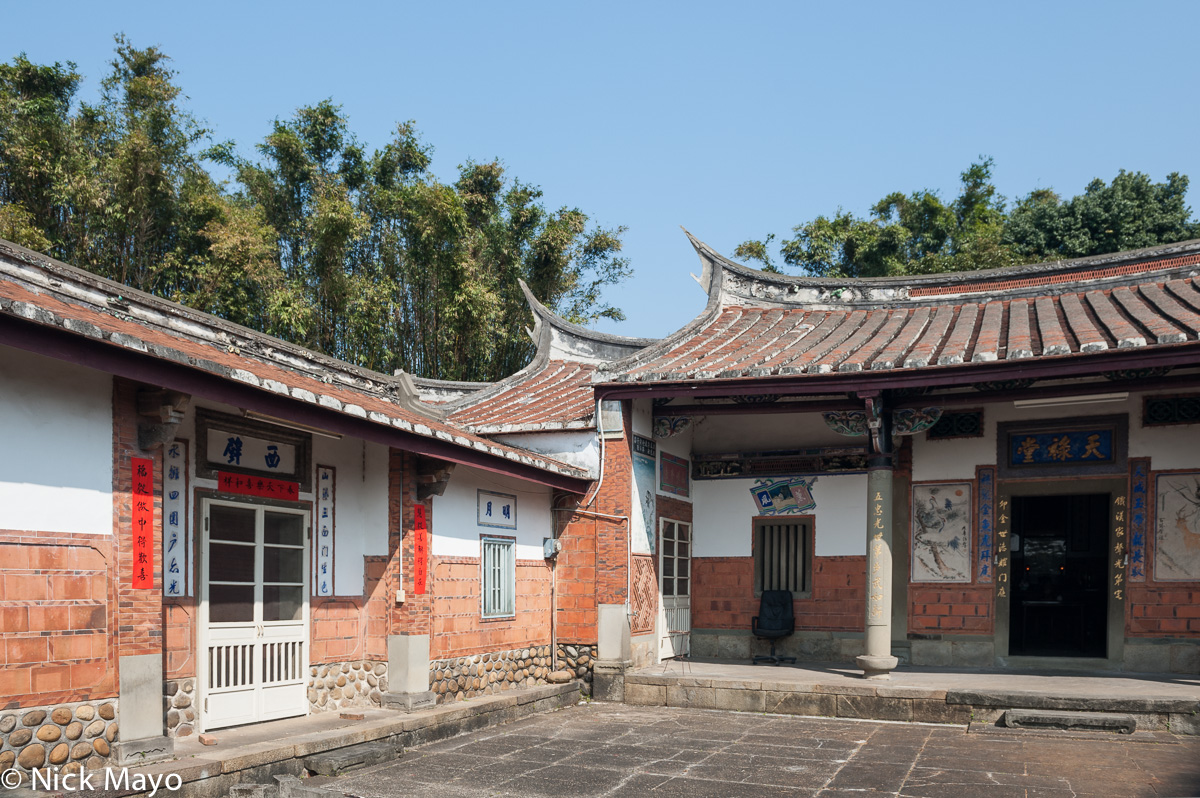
55, 446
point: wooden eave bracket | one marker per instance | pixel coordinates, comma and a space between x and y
433, 476
160, 413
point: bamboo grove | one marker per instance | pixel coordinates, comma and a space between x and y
361, 254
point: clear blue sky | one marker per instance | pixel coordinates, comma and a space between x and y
733, 120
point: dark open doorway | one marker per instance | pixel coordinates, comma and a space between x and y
1059, 575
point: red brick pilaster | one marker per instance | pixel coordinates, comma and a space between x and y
412, 616
139, 613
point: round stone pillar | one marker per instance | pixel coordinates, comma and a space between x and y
877, 661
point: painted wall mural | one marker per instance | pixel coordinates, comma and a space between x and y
645, 466
1177, 538
941, 532
783, 496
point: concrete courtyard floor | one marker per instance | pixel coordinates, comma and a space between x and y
617, 750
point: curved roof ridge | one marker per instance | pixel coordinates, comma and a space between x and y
744, 285
557, 340
711, 280
542, 313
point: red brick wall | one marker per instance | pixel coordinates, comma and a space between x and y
458, 626
349, 628
1161, 610
575, 574
723, 594
411, 616
612, 537
179, 638
952, 609
54, 624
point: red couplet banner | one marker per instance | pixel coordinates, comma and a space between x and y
262, 487
143, 524
420, 550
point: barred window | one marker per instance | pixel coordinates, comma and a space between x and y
782, 560
499, 578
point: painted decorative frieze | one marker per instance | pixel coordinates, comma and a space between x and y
905, 421
846, 422
941, 532
911, 420
784, 496
670, 426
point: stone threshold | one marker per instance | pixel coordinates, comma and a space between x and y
256, 753
895, 702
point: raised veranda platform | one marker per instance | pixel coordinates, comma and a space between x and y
1158, 702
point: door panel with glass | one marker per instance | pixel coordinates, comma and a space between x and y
675, 561
253, 613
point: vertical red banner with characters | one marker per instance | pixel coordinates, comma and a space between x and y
420, 550
143, 524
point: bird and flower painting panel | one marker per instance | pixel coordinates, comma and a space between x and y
941, 532
1177, 527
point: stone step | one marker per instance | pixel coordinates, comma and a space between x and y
333, 763
1074, 721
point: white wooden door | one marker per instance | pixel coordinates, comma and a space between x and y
253, 613
675, 585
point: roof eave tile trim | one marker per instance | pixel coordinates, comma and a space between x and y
33, 311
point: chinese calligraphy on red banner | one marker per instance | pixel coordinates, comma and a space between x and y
420, 550
263, 487
143, 524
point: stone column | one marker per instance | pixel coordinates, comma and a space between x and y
877, 661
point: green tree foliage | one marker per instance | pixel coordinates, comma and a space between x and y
362, 254
919, 233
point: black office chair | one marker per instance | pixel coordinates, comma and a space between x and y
776, 618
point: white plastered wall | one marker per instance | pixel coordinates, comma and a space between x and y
580, 448
56, 456
360, 506
456, 528
723, 509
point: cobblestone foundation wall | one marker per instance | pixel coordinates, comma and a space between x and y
482, 674
69, 736
179, 707
360, 683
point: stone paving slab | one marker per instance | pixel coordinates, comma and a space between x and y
619, 751
927, 695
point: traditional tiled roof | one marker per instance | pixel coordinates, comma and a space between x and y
554, 392
46, 292
762, 326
